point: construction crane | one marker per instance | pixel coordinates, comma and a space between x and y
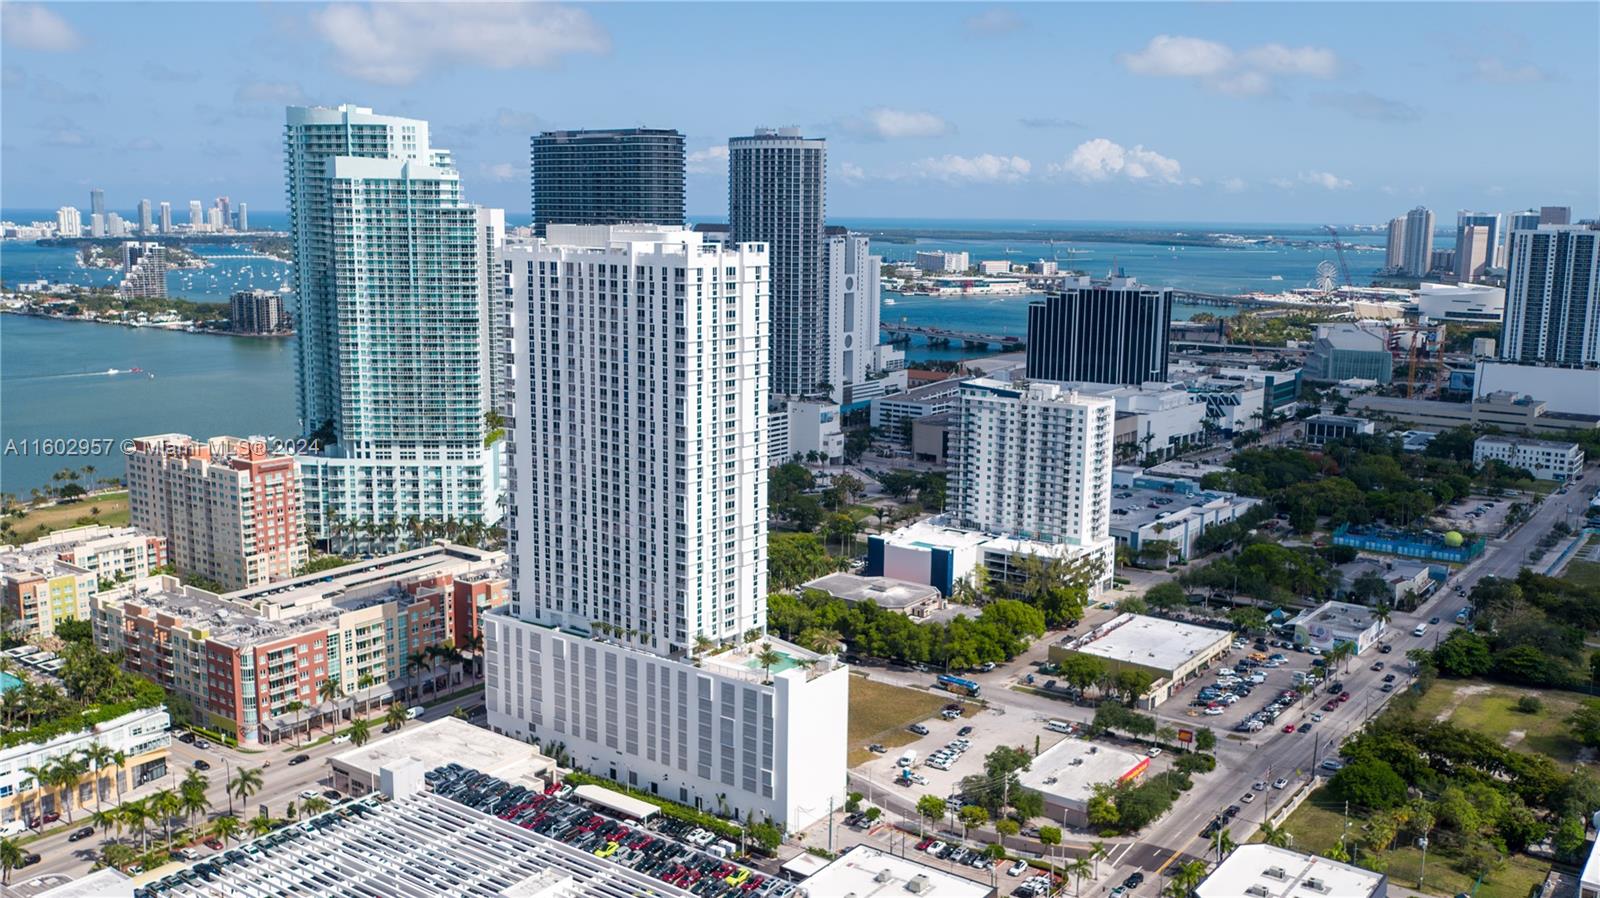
1338, 247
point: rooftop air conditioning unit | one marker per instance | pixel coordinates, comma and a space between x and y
1274, 873
1257, 891
883, 875
918, 884
1316, 885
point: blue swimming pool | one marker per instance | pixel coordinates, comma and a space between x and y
8, 682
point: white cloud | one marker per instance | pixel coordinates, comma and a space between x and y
31, 26
501, 171
995, 20
1217, 66
987, 168
1316, 62
1496, 71
851, 172
1367, 105
884, 123
1232, 185
1180, 57
395, 43
1323, 179
271, 93
707, 161
1103, 160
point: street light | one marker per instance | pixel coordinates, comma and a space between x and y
1423, 844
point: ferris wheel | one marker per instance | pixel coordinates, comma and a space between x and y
1327, 277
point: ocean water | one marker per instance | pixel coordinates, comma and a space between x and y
54, 381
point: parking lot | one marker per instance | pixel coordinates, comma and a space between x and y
1475, 513
670, 850
989, 730
1273, 701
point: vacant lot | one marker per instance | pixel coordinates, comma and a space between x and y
113, 509
1583, 573
1317, 825
880, 712
1490, 709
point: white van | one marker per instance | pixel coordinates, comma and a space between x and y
1419, 629
908, 759
413, 712
13, 828
1058, 726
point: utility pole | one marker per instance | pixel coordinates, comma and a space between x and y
830, 824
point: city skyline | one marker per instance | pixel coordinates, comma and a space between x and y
1155, 140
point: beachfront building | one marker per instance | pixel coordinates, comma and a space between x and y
258, 312
1112, 331
1545, 459
39, 590
395, 322
626, 638
777, 196
110, 553
940, 262
69, 222
1553, 297
607, 176
242, 658
229, 508
141, 738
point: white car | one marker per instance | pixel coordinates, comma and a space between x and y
1213, 712
1247, 797
1017, 869
1258, 678
1280, 783
1154, 752
936, 847
1259, 785
309, 793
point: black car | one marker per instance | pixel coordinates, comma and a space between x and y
964, 731
80, 834
1388, 678
186, 738
1433, 620
332, 795
1385, 649
30, 859
202, 764
1133, 880
299, 759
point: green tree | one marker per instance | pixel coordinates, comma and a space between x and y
12, 856
226, 828
1205, 739
1369, 783
245, 783
972, 817
1166, 596
930, 808
1463, 655
360, 731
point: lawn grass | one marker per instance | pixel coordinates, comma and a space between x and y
39, 522
880, 712
1489, 709
1582, 573
1317, 824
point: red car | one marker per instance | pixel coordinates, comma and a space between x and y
1344, 696
214, 844
1288, 728
923, 845
1331, 705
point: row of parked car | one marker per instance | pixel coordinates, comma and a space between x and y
675, 852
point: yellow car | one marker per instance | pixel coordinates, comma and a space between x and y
606, 850
738, 879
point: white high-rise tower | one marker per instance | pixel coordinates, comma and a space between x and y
638, 529
393, 325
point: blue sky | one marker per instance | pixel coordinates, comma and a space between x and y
1246, 112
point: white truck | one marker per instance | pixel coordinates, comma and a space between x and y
908, 758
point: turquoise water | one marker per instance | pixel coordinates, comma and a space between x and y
21, 262
786, 662
53, 384
8, 682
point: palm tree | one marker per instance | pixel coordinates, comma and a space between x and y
1077, 870
1097, 850
396, 716
98, 755
38, 779
118, 855
414, 664
822, 641
314, 806
360, 731
474, 644
328, 691
364, 682
68, 775
260, 825
119, 760
136, 814
165, 804
1185, 878
226, 827
244, 784
768, 657
1276, 836
1225, 844
192, 795
295, 707
105, 821
11, 857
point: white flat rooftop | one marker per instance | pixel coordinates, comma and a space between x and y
1069, 770
1281, 873
443, 741
1148, 641
866, 872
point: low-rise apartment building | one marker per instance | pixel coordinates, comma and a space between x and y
38, 590
229, 508
110, 553
1544, 459
141, 736
243, 658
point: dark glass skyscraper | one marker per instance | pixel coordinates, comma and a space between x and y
623, 176
1109, 332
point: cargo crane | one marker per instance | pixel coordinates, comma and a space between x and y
1338, 247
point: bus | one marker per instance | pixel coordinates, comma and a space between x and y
959, 685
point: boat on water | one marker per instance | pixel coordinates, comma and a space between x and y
1277, 277
889, 301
